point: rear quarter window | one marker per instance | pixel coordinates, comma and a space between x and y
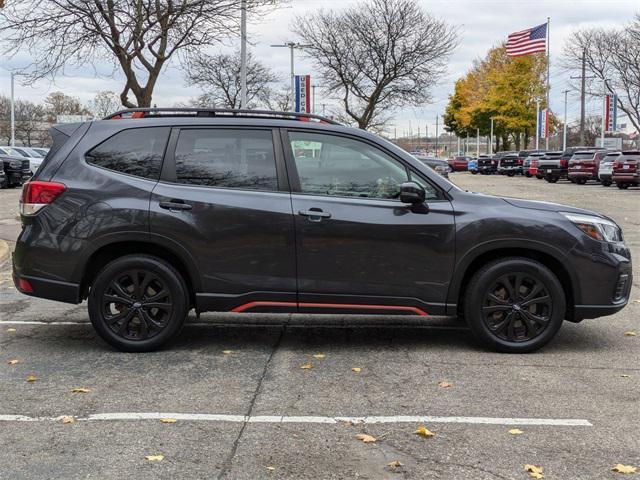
137, 152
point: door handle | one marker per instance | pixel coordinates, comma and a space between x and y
175, 205
315, 214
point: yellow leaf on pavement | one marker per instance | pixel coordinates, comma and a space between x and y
445, 384
366, 438
31, 378
270, 468
516, 431
356, 369
13, 362
423, 432
80, 390
11, 329
68, 419
168, 420
319, 355
395, 464
227, 352
630, 334
154, 458
620, 468
624, 375
306, 366
534, 471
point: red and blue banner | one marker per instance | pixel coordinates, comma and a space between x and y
610, 113
303, 93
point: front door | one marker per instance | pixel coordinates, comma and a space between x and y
357, 244
224, 197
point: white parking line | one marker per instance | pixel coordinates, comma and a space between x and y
206, 417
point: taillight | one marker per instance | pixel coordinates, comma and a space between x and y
563, 162
493, 162
37, 194
520, 161
616, 164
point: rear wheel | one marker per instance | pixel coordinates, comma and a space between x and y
606, 183
622, 186
514, 305
551, 179
527, 174
137, 303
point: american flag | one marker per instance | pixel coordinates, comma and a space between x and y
526, 42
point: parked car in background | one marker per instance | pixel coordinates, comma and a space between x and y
35, 159
508, 164
151, 216
3, 177
528, 169
625, 169
16, 169
459, 163
584, 166
440, 165
606, 168
552, 166
472, 166
487, 164
41, 150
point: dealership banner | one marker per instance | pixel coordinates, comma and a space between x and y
610, 112
543, 123
303, 93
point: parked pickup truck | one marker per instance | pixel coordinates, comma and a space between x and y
625, 169
487, 164
508, 165
530, 164
16, 170
552, 167
584, 166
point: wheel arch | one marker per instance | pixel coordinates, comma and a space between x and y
111, 247
473, 261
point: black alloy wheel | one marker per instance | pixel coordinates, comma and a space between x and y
137, 303
514, 305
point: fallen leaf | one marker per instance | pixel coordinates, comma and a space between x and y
270, 468
319, 355
31, 378
12, 362
11, 329
630, 334
80, 390
534, 471
444, 384
154, 458
624, 375
306, 366
68, 419
395, 464
227, 352
168, 420
516, 431
620, 468
366, 438
423, 432
636, 301
356, 369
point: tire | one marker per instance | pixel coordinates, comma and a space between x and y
519, 330
606, 183
622, 186
539, 177
474, 172
153, 326
528, 175
551, 179
510, 174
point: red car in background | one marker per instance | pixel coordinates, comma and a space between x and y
459, 164
584, 166
625, 169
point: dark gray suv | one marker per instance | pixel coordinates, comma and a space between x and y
153, 212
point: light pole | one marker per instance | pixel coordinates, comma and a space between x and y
437, 135
243, 54
537, 123
490, 152
604, 110
13, 114
292, 46
477, 142
564, 127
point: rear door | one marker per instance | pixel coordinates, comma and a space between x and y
358, 246
224, 197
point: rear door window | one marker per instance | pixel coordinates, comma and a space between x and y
226, 158
137, 152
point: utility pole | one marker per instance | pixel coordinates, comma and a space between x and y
13, 113
490, 152
243, 54
582, 94
437, 135
537, 123
313, 98
564, 127
418, 134
604, 111
292, 46
477, 142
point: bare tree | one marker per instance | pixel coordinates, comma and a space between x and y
378, 55
613, 57
104, 103
219, 77
138, 37
280, 99
29, 122
58, 103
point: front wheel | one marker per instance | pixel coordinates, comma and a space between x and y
514, 305
137, 303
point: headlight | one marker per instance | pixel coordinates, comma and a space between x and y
596, 227
15, 164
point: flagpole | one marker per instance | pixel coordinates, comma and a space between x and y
548, 70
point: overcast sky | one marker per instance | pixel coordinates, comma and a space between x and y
483, 25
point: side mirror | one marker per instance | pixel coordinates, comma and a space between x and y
411, 192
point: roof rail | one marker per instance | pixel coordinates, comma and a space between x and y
216, 112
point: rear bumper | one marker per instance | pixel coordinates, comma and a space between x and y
626, 178
552, 172
581, 174
49, 289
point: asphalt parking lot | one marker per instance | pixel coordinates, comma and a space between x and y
245, 409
